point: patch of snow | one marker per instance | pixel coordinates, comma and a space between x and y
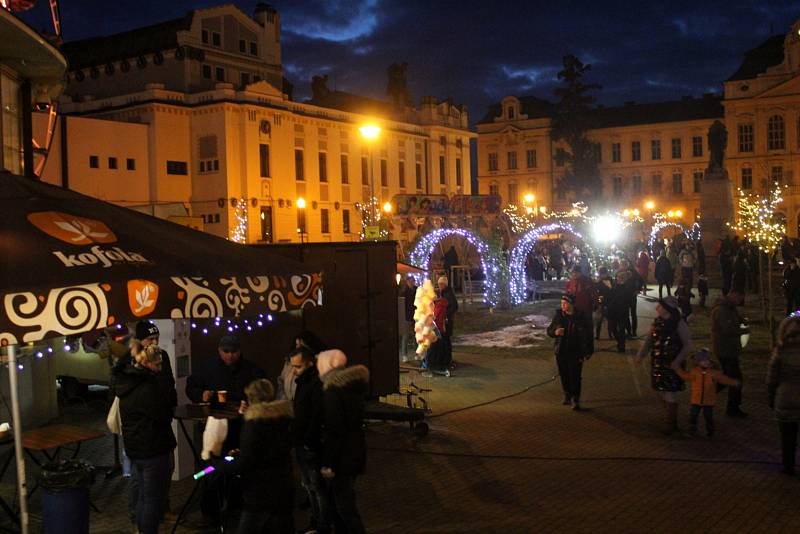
519, 336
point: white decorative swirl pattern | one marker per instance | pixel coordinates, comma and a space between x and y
200, 301
300, 283
276, 301
66, 311
236, 296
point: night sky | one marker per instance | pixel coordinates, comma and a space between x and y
478, 51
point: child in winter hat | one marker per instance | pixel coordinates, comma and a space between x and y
704, 379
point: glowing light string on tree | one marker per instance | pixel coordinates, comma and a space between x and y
518, 281
240, 230
490, 262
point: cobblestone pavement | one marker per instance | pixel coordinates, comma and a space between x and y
526, 463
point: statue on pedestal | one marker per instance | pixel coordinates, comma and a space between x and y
717, 142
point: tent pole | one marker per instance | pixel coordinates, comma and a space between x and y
16, 425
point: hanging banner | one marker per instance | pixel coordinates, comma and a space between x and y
441, 205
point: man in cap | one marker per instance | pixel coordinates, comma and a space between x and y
228, 371
572, 347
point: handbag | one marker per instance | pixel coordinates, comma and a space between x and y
113, 420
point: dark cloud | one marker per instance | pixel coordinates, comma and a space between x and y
478, 51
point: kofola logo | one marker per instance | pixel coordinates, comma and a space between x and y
77, 230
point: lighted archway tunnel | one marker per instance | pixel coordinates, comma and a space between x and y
490, 262
518, 281
692, 233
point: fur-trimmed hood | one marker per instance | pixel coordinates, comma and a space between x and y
268, 410
342, 378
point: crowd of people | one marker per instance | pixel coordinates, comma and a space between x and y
317, 411
611, 297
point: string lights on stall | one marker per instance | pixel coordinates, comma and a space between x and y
490, 262
522, 219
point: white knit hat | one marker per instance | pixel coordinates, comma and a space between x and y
330, 359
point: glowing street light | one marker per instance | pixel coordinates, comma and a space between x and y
650, 205
678, 214
670, 214
530, 197
607, 228
387, 207
301, 229
627, 212
635, 212
301, 203
543, 209
370, 131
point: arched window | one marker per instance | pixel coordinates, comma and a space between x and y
776, 133
510, 112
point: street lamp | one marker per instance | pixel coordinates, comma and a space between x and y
387, 207
370, 132
301, 229
650, 205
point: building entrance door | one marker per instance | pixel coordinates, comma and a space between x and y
267, 234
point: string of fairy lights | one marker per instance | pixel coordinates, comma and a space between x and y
239, 232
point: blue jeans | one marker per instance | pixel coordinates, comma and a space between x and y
152, 481
311, 480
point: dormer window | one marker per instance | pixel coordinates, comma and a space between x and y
510, 113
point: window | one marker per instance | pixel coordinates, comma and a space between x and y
776, 134
299, 171
656, 184
697, 146
220, 74
242, 46
636, 151
177, 167
301, 221
245, 78
676, 149
209, 165
458, 172
492, 161
776, 173
512, 160
263, 157
205, 36
677, 184
561, 157
745, 138
266, 224
597, 149
384, 174
112, 162
94, 162
513, 194
494, 189
345, 169
418, 175
323, 167
253, 49
616, 153
510, 112
365, 170
698, 181
637, 184
130, 164
442, 178
346, 221
530, 156
655, 149
617, 184
207, 72
401, 173
216, 39
747, 178
325, 221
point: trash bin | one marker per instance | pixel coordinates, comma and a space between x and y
65, 496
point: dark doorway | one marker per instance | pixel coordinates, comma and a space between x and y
266, 224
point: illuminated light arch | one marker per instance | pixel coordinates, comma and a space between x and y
490, 263
518, 282
692, 233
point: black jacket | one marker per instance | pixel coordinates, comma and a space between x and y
147, 403
308, 410
213, 375
409, 294
664, 272
576, 341
264, 460
344, 444
452, 301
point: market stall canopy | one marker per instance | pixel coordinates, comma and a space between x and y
72, 263
406, 268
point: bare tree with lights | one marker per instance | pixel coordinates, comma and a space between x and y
758, 221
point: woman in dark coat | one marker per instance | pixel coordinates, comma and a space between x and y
783, 387
664, 274
667, 345
572, 335
264, 462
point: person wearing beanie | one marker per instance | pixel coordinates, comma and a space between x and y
344, 445
667, 345
264, 462
227, 371
703, 379
572, 346
147, 399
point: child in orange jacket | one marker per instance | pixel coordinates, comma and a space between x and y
704, 379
